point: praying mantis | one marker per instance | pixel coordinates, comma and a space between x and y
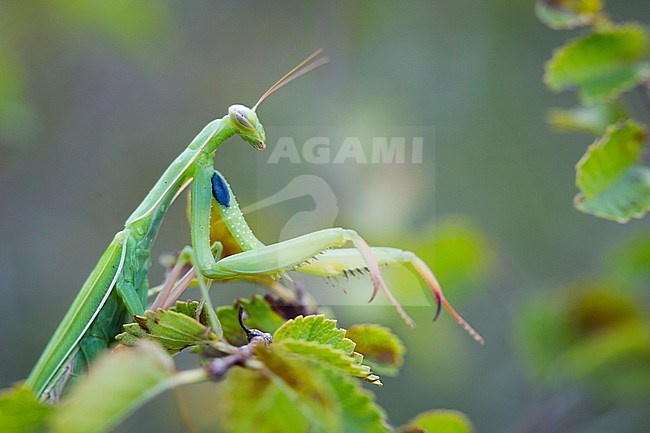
118, 284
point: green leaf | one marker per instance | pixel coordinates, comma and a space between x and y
592, 119
567, 14
439, 421
316, 336
378, 345
613, 183
173, 330
306, 378
600, 65
293, 394
21, 412
358, 411
117, 383
327, 356
249, 401
290, 395
307, 384
315, 328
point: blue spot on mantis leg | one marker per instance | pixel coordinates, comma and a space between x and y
220, 190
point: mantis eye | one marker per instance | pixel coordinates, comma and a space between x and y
242, 120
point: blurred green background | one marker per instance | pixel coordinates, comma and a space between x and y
97, 98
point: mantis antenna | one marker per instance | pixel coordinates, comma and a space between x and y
298, 70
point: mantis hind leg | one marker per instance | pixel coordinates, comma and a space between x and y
347, 261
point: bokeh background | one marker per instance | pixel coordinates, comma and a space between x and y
97, 98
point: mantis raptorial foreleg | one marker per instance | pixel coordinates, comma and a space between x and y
310, 254
257, 258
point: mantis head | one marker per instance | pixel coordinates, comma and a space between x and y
245, 120
247, 125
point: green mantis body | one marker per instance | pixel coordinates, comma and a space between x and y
118, 285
